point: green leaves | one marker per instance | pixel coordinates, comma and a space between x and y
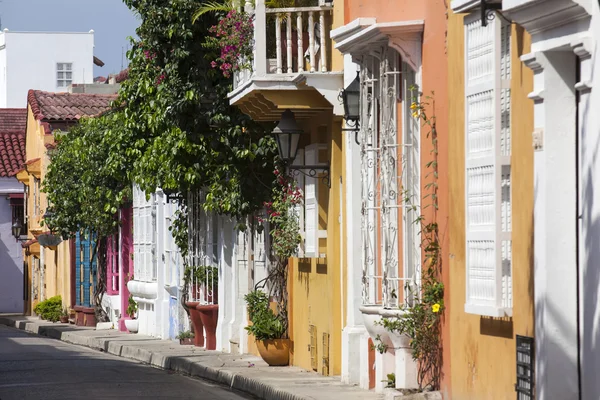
182, 133
87, 180
265, 324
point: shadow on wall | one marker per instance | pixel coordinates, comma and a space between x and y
589, 254
499, 327
11, 264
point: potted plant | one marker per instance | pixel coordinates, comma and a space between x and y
192, 302
268, 330
208, 277
132, 324
64, 316
186, 338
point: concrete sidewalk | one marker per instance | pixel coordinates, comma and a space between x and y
246, 373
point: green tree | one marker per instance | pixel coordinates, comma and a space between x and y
186, 135
86, 184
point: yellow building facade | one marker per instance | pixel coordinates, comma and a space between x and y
50, 270
304, 75
483, 343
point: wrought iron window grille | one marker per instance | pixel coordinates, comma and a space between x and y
525, 386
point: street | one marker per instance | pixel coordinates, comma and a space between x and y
33, 367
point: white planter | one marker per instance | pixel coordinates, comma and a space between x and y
405, 366
398, 358
399, 340
371, 316
132, 325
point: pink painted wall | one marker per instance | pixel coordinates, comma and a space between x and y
126, 261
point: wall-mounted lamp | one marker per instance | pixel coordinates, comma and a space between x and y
17, 229
350, 97
288, 134
50, 240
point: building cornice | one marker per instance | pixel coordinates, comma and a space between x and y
543, 15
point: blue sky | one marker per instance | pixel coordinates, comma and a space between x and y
111, 21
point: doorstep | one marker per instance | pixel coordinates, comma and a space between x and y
246, 373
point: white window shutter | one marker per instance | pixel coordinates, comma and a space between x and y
299, 208
487, 167
311, 206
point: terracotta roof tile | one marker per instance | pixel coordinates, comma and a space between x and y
13, 123
13, 119
67, 106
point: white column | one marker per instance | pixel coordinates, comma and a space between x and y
278, 43
555, 251
260, 36
311, 39
288, 33
300, 42
589, 213
355, 355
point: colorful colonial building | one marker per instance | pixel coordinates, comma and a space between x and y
52, 271
12, 152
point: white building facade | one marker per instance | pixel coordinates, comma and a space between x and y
48, 61
157, 267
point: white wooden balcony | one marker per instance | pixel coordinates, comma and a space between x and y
291, 64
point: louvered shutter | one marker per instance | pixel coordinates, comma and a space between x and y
487, 165
299, 208
311, 206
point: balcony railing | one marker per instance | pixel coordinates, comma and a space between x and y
288, 40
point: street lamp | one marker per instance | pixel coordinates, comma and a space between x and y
351, 101
17, 228
288, 134
49, 239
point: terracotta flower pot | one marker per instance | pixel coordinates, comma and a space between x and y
186, 341
211, 297
64, 319
89, 316
79, 317
196, 322
209, 313
275, 352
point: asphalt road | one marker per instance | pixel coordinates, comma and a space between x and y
33, 367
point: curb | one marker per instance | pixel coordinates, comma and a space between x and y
234, 381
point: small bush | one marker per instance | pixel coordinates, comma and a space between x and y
265, 324
185, 335
50, 309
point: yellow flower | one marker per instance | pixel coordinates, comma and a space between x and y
413, 106
435, 308
415, 114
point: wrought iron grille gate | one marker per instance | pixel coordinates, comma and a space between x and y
525, 368
390, 180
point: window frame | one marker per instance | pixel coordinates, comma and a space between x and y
64, 70
488, 209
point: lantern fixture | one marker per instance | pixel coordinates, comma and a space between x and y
17, 228
351, 100
288, 134
350, 97
48, 219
